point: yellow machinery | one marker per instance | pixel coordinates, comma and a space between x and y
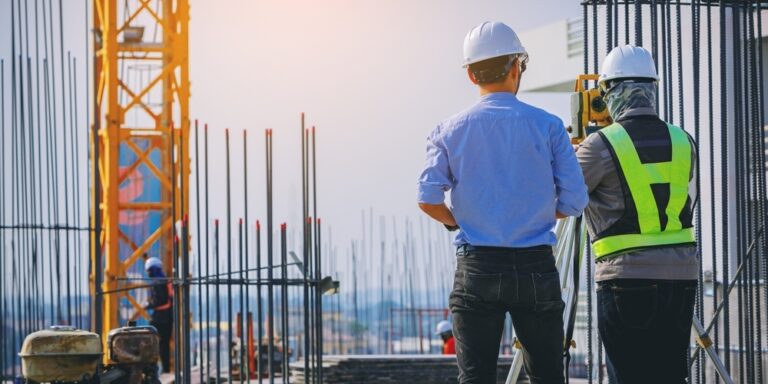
587, 106
156, 143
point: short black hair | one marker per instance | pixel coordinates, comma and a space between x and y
492, 70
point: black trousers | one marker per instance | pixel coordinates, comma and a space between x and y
491, 282
164, 330
645, 326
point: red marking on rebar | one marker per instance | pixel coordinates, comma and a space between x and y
176, 239
195, 121
258, 225
215, 221
205, 126
283, 226
241, 221
226, 130
269, 131
309, 220
313, 129
318, 221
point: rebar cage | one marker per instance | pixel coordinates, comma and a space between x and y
710, 58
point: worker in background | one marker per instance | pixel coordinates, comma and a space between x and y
161, 304
639, 218
511, 170
446, 333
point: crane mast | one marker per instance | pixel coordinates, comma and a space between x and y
139, 148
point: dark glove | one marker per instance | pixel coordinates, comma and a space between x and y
451, 228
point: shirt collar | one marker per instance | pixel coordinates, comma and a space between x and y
499, 96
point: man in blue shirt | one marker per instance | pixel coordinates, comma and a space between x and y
511, 171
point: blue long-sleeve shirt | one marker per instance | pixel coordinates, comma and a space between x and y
509, 167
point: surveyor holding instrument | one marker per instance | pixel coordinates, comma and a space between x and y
510, 169
639, 218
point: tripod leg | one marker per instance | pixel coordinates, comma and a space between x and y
517, 364
705, 343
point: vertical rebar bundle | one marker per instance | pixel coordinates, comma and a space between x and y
43, 178
719, 100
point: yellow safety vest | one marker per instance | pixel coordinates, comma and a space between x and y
639, 177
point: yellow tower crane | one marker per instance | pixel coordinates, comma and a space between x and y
139, 145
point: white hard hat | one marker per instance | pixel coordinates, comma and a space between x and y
152, 262
628, 61
443, 327
489, 40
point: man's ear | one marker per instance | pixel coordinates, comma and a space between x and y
515, 70
471, 76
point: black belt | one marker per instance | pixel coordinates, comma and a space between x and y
480, 248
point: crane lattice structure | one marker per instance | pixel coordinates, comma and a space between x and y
154, 145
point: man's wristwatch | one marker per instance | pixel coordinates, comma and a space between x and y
451, 228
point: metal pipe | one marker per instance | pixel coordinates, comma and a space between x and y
199, 251
259, 305
186, 307
270, 288
75, 179
207, 263
318, 266
38, 170
724, 183
3, 276
319, 309
175, 270
229, 252
217, 300
184, 267
243, 312
305, 248
249, 322
285, 312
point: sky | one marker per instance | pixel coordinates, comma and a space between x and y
374, 77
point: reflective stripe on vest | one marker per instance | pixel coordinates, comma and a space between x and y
167, 304
639, 178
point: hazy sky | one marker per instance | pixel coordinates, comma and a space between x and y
374, 76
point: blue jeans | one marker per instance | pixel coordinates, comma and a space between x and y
645, 326
524, 282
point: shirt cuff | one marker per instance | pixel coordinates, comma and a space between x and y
567, 210
431, 194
